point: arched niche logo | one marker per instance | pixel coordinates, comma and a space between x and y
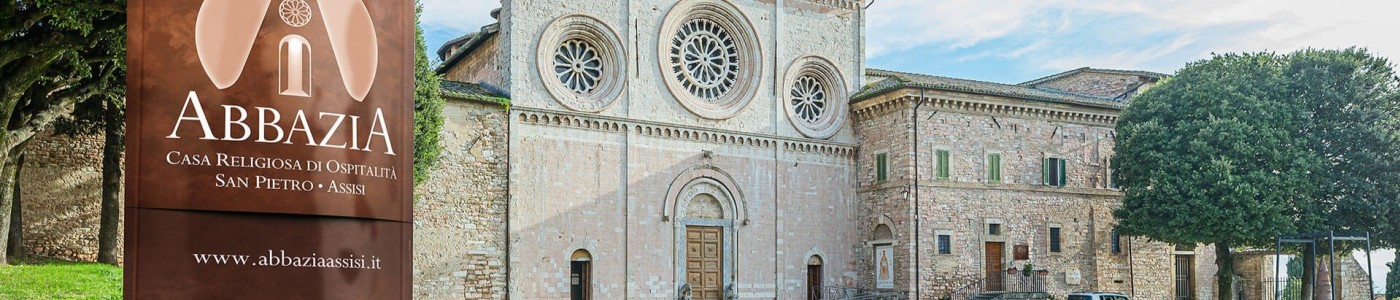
226, 29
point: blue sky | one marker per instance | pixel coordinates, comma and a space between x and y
1018, 40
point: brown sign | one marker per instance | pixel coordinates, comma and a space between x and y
1021, 252
269, 149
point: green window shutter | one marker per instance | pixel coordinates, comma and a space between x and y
880, 167
994, 167
1045, 171
1063, 180
942, 165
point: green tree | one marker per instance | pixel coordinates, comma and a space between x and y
427, 111
1349, 105
1392, 280
53, 53
1295, 267
1207, 157
1241, 147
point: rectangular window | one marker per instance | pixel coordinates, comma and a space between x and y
880, 167
1053, 172
993, 229
994, 168
1055, 240
945, 244
1108, 174
1116, 241
943, 170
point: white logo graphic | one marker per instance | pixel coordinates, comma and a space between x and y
225, 31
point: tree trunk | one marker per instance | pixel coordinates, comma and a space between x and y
16, 240
1225, 276
7, 179
111, 187
1309, 271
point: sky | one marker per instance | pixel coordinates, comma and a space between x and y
1013, 41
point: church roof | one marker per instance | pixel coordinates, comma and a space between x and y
1038, 81
472, 92
468, 43
898, 80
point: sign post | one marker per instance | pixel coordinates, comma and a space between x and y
269, 149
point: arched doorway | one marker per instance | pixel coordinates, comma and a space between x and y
580, 275
814, 277
705, 213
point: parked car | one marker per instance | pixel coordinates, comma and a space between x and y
1096, 296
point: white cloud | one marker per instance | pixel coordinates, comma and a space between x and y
1131, 34
462, 16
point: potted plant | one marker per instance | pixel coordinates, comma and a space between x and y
1027, 270
1042, 272
1011, 270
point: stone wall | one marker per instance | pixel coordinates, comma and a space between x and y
61, 192
610, 188
459, 243
1256, 269
482, 65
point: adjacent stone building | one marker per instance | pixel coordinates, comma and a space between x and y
976, 181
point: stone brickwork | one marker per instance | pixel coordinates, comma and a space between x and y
459, 248
482, 64
1255, 270
61, 194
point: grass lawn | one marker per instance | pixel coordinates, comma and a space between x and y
42, 278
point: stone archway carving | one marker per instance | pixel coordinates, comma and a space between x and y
695, 179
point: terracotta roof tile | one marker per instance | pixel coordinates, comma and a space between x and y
899, 80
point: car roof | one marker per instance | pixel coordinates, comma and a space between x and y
1096, 293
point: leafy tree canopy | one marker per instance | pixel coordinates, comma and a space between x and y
1207, 156
55, 53
1242, 147
1239, 148
427, 112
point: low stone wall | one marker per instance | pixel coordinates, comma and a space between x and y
61, 195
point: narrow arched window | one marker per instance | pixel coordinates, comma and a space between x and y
294, 67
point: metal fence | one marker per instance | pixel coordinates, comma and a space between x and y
1292, 289
1015, 283
850, 293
